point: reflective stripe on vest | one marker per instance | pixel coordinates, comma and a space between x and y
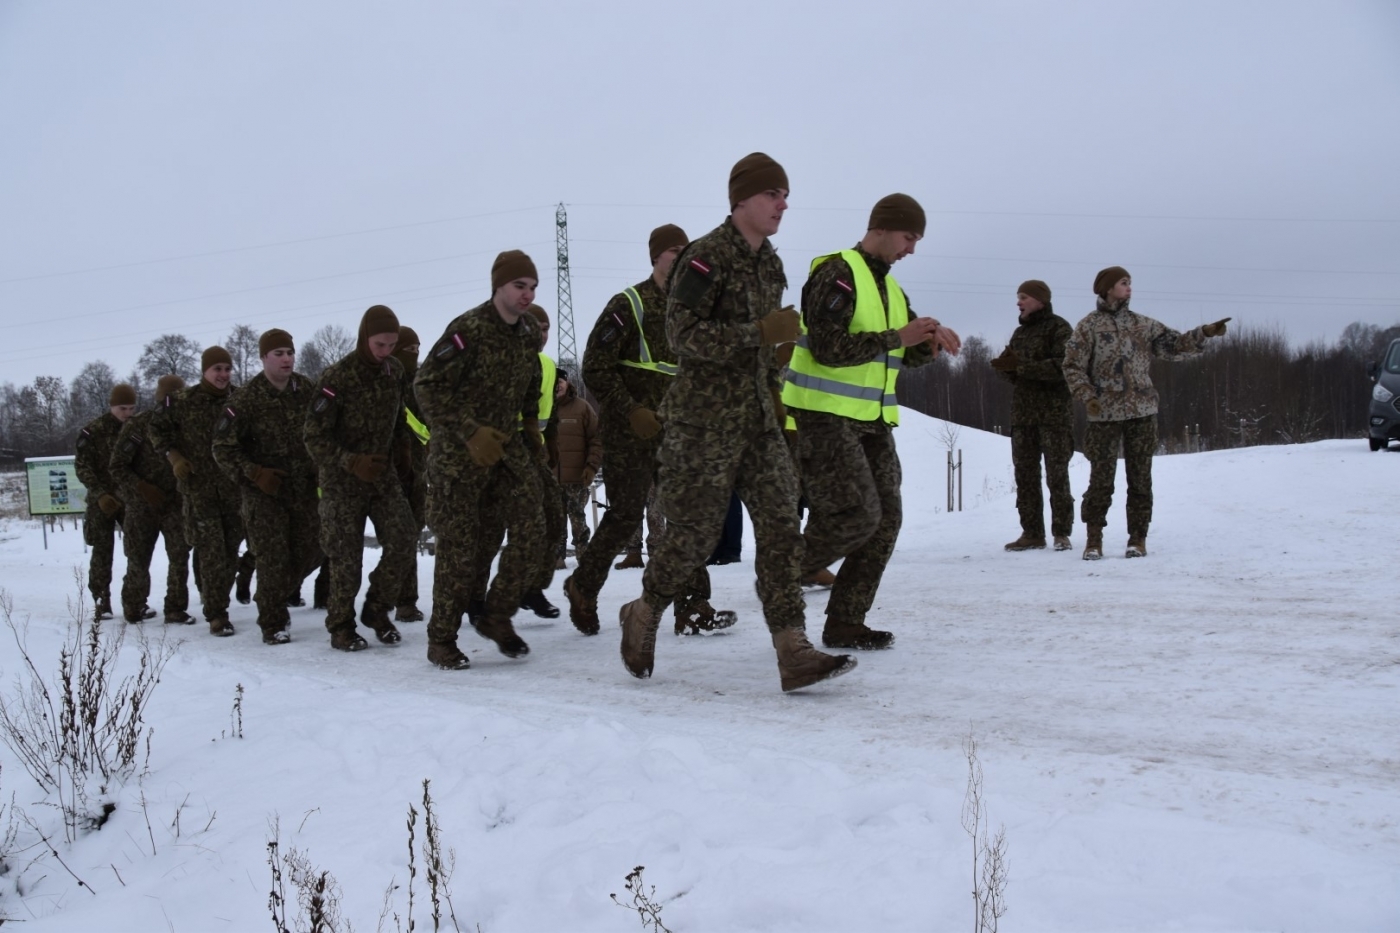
419, 429
644, 351
864, 392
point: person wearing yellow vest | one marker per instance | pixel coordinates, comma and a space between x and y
628, 365
857, 334
412, 468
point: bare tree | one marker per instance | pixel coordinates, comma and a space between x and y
170, 354
242, 346
90, 392
310, 362
332, 342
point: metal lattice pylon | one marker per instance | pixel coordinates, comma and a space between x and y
564, 312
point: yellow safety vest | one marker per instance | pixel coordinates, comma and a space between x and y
548, 376
419, 429
643, 351
864, 392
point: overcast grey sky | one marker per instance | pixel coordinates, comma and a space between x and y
180, 167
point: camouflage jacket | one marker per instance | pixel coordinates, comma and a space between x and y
186, 423
720, 287
1039, 393
829, 306
356, 408
265, 427
618, 388
419, 458
483, 372
93, 456
135, 461
1109, 356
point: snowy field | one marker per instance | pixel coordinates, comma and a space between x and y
1207, 739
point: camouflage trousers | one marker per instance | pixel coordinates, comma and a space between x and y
575, 500
851, 476
700, 469
99, 532
143, 525
416, 492
1055, 443
463, 506
284, 531
656, 526
214, 531
631, 482
1139, 441
541, 563
343, 514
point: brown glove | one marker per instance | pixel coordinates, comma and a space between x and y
781, 326
152, 493
589, 474
485, 446
109, 504
1092, 408
1007, 362
182, 466
368, 467
268, 479
644, 423
1217, 329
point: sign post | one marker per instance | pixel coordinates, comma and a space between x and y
54, 489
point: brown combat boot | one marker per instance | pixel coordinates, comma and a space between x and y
800, 665
639, 624
220, 626
178, 617
1137, 546
102, 607
276, 636
583, 609
408, 614
1062, 543
842, 634
447, 656
347, 639
378, 619
1027, 542
632, 560
697, 615
1093, 542
499, 630
823, 578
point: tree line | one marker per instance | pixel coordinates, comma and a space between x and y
43, 418
1249, 387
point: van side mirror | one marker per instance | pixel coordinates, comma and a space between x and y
1373, 370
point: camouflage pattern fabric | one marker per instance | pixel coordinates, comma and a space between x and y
1055, 444
91, 459
618, 388
1039, 393
135, 461
722, 433
357, 408
495, 518
1138, 437
1108, 359
850, 469
415, 490
213, 527
265, 428
575, 500
655, 525
482, 372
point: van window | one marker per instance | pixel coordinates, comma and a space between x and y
1392, 359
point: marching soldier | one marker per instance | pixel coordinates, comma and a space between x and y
91, 462
415, 480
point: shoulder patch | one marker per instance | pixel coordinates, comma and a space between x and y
845, 286
328, 392
169, 399
449, 346
695, 280
700, 266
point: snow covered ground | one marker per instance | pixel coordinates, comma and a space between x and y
1207, 739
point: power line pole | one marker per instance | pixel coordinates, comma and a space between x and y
564, 312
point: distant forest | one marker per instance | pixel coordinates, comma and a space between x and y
1250, 387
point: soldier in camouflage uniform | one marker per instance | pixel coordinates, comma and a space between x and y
91, 462
858, 335
183, 432
356, 432
628, 365
1107, 365
415, 479
1042, 421
724, 427
258, 441
147, 486
478, 386
655, 531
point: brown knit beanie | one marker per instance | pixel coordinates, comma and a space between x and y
512, 265
897, 212
122, 394
539, 314
1108, 278
212, 357
168, 385
665, 237
378, 319
275, 339
1035, 288
754, 173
